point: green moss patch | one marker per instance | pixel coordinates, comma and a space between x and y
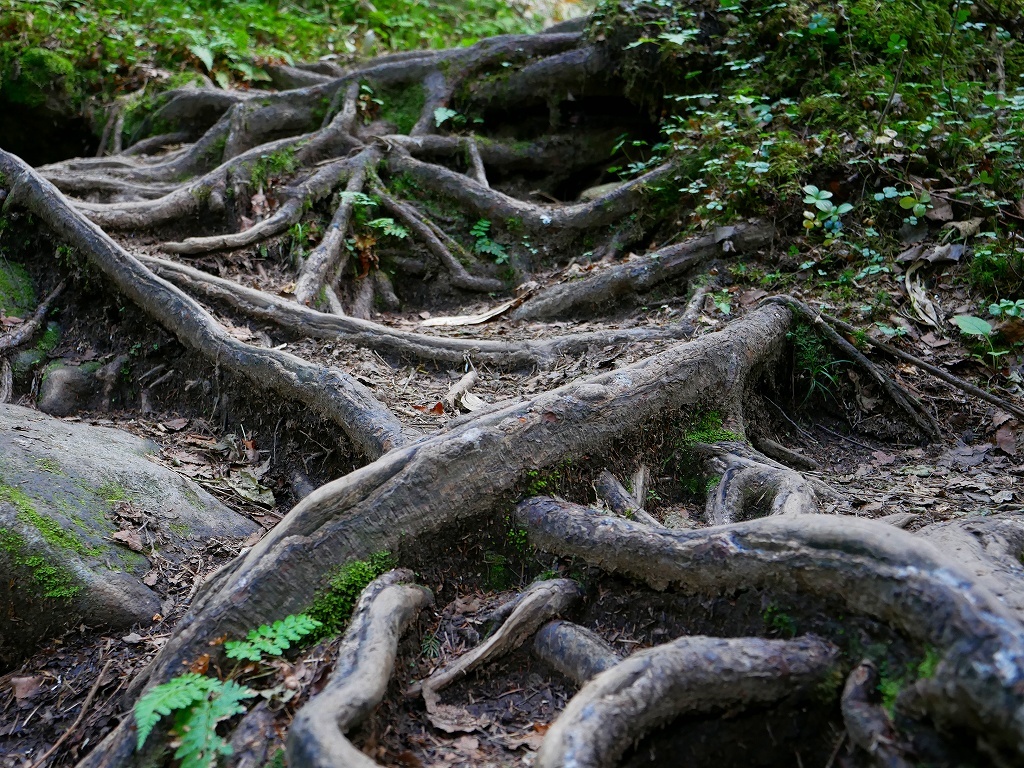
17, 295
334, 605
53, 532
53, 581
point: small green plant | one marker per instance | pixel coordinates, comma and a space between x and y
826, 214
272, 639
779, 622
198, 704
443, 114
485, 245
1007, 308
389, 227
970, 325
813, 362
430, 647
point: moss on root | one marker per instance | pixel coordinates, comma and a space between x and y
334, 605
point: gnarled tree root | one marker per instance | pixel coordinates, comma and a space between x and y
541, 353
642, 273
753, 485
366, 421
872, 568
360, 678
541, 602
448, 478
688, 675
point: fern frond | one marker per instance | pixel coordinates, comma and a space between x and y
176, 694
196, 727
271, 640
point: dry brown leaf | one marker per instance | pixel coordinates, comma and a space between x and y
26, 687
1006, 440
130, 539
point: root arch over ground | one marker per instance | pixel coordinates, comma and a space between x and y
477, 213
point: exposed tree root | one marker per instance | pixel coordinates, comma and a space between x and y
324, 258
750, 487
688, 675
370, 426
540, 603
923, 420
360, 678
641, 274
874, 569
575, 651
621, 501
867, 723
415, 346
935, 371
450, 477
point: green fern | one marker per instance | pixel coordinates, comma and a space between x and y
389, 227
272, 640
177, 694
196, 726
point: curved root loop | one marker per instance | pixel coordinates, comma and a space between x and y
385, 610
688, 675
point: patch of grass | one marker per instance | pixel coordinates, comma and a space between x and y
276, 164
779, 622
334, 605
402, 106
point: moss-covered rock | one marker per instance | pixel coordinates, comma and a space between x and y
62, 487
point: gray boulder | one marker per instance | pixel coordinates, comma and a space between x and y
75, 500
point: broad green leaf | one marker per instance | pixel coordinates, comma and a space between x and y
973, 326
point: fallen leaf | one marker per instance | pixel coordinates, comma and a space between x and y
438, 409
175, 425
471, 402
130, 539
133, 638
26, 687
1002, 497
1006, 440
151, 578
966, 229
467, 604
1000, 417
244, 483
882, 458
934, 341
200, 665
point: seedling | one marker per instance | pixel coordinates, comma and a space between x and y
970, 325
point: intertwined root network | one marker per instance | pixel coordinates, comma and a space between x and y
952, 587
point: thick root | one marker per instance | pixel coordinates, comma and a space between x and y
867, 724
688, 675
367, 422
360, 678
873, 568
575, 651
641, 274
